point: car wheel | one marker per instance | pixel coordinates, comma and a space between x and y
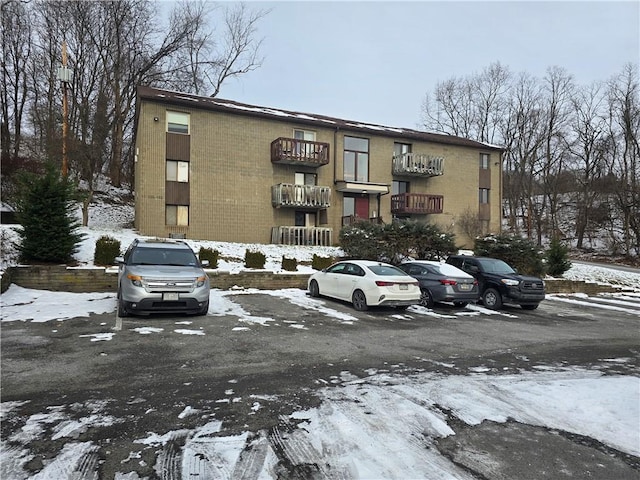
460, 304
122, 310
529, 307
491, 299
359, 301
426, 299
314, 290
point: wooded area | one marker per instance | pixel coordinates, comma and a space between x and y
113, 47
571, 160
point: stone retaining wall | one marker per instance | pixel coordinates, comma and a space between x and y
70, 279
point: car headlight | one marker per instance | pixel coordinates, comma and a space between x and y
135, 279
510, 282
201, 281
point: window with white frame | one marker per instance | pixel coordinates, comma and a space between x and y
177, 122
177, 171
485, 160
484, 196
177, 215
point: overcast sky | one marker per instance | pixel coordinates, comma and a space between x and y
375, 61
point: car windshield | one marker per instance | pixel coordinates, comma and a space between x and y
386, 270
158, 256
495, 266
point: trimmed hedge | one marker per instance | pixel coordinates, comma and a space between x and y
107, 249
254, 259
209, 254
289, 264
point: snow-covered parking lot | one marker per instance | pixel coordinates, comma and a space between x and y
275, 384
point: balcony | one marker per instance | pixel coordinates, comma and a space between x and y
300, 196
313, 236
416, 203
291, 151
417, 165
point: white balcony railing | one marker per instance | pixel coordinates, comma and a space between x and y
291, 235
417, 164
300, 196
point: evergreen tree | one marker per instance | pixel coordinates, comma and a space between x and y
557, 258
45, 209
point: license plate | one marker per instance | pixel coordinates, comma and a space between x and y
465, 286
170, 296
404, 286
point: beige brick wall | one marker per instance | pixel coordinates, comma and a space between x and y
231, 175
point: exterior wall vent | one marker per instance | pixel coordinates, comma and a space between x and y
177, 235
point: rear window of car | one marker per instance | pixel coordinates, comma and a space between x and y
450, 270
386, 270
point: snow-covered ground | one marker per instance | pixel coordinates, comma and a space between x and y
369, 427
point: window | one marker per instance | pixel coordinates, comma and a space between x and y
178, 122
356, 159
401, 149
485, 158
177, 215
177, 171
349, 206
302, 178
399, 187
484, 195
304, 135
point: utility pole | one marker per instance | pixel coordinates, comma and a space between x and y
64, 75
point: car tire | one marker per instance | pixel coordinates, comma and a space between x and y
492, 299
359, 301
314, 289
426, 299
529, 307
460, 304
122, 310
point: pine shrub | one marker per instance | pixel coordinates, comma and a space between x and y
46, 210
107, 249
289, 264
254, 259
210, 254
319, 263
522, 254
557, 258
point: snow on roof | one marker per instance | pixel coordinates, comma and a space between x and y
218, 104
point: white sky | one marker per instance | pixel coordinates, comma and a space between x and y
375, 61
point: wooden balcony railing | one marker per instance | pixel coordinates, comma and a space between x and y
291, 151
418, 203
290, 235
300, 196
417, 164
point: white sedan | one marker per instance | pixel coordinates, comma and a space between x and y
366, 283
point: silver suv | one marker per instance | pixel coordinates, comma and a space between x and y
162, 276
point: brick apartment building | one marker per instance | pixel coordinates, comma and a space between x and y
213, 169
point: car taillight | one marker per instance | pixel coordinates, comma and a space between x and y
381, 283
448, 281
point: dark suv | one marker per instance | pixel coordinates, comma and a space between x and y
162, 276
499, 283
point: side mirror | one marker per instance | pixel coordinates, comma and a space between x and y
119, 260
204, 263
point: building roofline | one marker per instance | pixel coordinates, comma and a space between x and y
237, 108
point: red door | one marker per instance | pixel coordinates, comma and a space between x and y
362, 207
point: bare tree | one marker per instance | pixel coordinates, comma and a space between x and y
17, 41
624, 126
587, 144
